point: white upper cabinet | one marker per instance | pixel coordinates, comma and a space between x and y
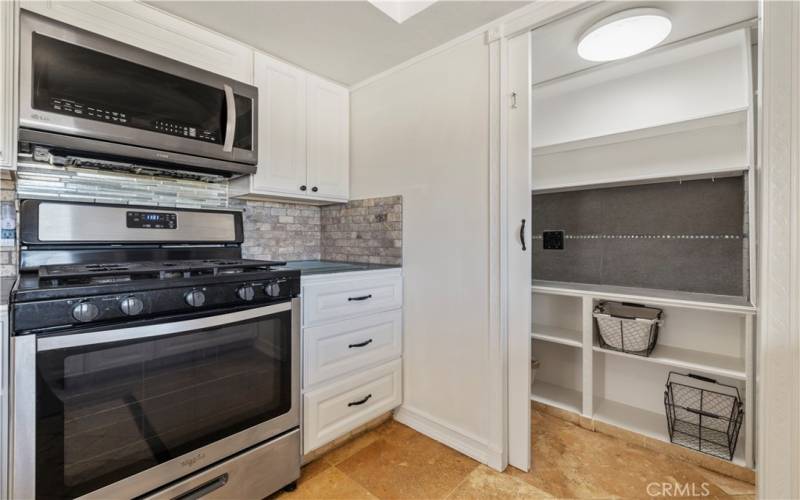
281, 127
328, 138
153, 30
8, 89
303, 137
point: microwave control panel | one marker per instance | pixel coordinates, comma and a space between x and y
71, 107
74, 108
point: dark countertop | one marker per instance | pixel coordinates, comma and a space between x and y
314, 267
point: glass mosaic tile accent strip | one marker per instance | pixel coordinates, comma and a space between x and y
42, 180
649, 236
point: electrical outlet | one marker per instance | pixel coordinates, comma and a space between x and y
553, 240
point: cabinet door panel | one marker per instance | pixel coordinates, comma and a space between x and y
337, 408
8, 85
328, 139
282, 127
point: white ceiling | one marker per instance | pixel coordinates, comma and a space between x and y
554, 46
344, 41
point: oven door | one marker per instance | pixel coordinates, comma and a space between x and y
80, 84
118, 413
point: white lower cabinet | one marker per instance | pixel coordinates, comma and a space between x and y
347, 298
352, 352
346, 346
337, 408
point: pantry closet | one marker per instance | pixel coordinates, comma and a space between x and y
642, 190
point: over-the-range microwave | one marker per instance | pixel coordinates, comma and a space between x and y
80, 91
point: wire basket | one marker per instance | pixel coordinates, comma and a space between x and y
627, 327
703, 414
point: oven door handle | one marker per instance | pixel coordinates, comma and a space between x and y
230, 126
157, 330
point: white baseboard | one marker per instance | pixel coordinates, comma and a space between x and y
464, 442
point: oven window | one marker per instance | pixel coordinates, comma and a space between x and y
107, 411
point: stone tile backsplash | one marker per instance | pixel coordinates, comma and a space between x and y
8, 248
368, 230
280, 231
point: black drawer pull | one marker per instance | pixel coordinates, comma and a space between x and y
360, 402
363, 297
360, 344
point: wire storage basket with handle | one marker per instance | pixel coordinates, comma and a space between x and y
703, 414
627, 327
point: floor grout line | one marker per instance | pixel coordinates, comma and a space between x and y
450, 494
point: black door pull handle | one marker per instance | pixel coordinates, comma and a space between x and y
360, 402
360, 344
522, 235
363, 297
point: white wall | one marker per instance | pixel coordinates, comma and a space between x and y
422, 132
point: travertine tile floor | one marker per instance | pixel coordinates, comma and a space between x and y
395, 462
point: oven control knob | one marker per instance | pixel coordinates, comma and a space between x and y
85, 311
131, 306
195, 298
272, 289
246, 292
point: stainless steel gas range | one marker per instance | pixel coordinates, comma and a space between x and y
148, 359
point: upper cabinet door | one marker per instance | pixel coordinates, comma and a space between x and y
281, 127
8, 87
328, 139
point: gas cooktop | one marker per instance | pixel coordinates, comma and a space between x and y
152, 269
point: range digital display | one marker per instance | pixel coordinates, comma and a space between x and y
152, 220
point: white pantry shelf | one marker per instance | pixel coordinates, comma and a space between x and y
715, 334
648, 423
722, 118
687, 359
556, 335
689, 300
557, 396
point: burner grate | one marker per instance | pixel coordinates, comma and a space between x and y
128, 271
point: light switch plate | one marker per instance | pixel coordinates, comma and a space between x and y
553, 240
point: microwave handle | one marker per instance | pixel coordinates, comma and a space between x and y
230, 127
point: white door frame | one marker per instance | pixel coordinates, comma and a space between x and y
778, 358
778, 333
510, 368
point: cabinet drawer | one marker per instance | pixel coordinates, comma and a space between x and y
337, 348
352, 297
333, 411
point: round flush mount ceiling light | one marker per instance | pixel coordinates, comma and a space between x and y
624, 34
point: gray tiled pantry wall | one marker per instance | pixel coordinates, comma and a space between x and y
688, 236
367, 230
